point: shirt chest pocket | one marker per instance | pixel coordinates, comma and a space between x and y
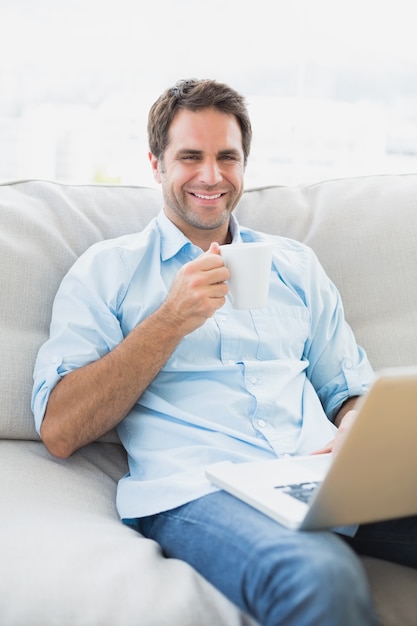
282, 332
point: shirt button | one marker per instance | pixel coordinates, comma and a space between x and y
55, 359
231, 362
348, 364
253, 380
261, 423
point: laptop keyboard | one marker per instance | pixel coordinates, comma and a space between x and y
300, 491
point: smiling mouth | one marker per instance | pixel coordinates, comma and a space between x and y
207, 197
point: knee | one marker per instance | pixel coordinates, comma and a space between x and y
320, 583
332, 566
335, 581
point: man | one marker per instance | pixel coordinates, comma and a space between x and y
144, 337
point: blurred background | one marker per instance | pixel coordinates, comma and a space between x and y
331, 85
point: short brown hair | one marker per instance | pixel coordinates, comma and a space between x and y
194, 95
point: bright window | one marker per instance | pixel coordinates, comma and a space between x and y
331, 85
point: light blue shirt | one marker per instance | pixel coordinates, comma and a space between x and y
246, 385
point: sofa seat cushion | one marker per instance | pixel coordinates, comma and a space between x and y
67, 560
394, 590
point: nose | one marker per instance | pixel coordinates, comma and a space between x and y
210, 173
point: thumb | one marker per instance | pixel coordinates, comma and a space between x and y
214, 248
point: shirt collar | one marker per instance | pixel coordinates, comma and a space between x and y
173, 239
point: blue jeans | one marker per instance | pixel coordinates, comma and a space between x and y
277, 575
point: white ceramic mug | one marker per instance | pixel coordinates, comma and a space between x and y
250, 271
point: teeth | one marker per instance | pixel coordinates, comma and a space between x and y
198, 195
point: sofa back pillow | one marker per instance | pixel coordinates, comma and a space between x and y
364, 231
44, 228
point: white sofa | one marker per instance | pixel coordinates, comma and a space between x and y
65, 558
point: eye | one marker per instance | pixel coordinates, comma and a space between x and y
229, 156
189, 156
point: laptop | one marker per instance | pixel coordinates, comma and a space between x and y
373, 476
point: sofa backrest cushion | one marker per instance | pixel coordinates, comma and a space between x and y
44, 228
364, 231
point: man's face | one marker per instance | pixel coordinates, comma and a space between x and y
201, 172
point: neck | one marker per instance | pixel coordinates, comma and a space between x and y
205, 238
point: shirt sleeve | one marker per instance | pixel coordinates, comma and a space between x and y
84, 324
337, 366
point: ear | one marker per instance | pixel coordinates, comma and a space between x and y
155, 167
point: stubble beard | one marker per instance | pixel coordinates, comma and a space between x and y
209, 220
